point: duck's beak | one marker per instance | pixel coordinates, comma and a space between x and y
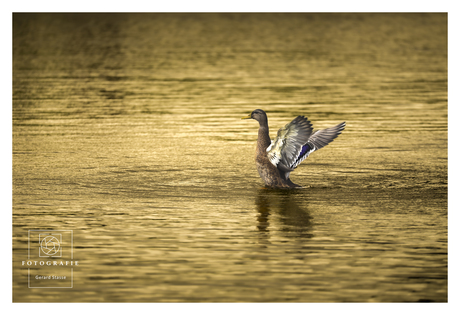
247, 117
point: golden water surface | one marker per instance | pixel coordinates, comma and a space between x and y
127, 131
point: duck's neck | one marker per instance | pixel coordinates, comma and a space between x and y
263, 140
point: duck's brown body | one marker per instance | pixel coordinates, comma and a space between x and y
267, 171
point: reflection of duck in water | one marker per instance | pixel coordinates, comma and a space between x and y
293, 144
283, 205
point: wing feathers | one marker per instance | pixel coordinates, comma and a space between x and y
289, 141
295, 142
318, 140
321, 138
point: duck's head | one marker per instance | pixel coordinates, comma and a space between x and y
258, 115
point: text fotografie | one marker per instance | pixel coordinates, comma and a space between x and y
49, 263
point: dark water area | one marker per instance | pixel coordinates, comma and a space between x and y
127, 131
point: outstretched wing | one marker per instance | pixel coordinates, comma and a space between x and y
285, 149
319, 139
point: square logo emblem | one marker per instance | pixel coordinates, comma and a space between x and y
50, 261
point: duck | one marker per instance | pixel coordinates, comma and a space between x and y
275, 160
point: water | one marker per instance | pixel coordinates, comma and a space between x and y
127, 130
